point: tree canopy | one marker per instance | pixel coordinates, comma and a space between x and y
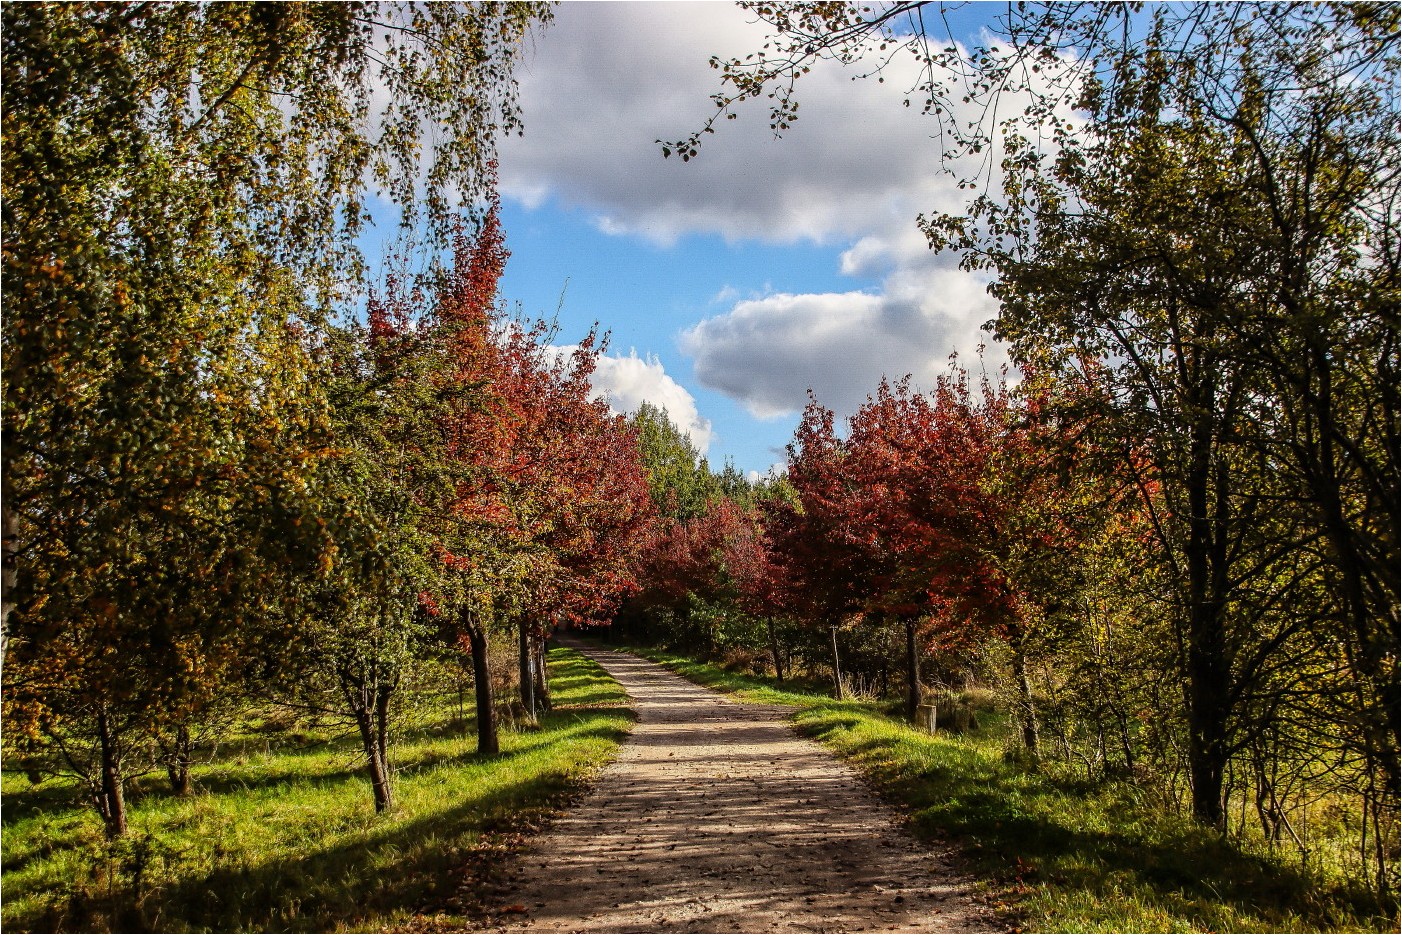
182, 184
1190, 216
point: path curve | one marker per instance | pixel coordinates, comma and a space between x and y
717, 817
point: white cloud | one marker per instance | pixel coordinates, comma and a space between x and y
854, 171
883, 252
777, 469
768, 353
628, 382
726, 294
609, 79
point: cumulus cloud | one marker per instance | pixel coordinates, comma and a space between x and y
608, 79
854, 172
628, 382
768, 353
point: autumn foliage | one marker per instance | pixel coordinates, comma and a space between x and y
945, 520
548, 504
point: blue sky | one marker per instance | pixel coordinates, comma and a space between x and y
734, 283
646, 295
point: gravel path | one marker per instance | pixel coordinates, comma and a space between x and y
717, 817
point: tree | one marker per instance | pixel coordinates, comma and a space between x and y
587, 485
918, 510
1209, 225
548, 501
182, 184
367, 626
952, 521
679, 478
757, 571
826, 566
160, 573
1218, 228
482, 551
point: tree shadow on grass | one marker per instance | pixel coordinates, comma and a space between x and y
319, 890
1018, 828
48, 797
569, 683
309, 893
226, 774
602, 696
404, 764
400, 867
604, 730
397, 868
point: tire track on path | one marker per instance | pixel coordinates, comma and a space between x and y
717, 817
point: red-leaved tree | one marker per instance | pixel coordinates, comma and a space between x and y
551, 504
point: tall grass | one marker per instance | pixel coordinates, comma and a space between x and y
281, 834
1060, 854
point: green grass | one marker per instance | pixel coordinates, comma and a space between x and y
1058, 856
281, 833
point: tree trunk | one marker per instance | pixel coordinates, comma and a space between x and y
1208, 673
839, 689
774, 648
368, 694
912, 671
374, 755
176, 755
1026, 708
111, 802
487, 742
9, 570
542, 676
384, 691
1207, 714
526, 667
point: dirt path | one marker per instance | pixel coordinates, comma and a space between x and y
717, 817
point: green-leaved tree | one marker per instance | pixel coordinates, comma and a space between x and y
182, 184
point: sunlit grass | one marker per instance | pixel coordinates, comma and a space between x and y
282, 835
1058, 855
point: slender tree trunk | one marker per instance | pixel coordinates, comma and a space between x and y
374, 755
1126, 744
368, 697
542, 673
1208, 675
912, 671
1027, 711
111, 800
839, 688
774, 648
384, 691
9, 568
482, 678
526, 667
176, 754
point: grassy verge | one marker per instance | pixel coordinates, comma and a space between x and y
1060, 856
282, 835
